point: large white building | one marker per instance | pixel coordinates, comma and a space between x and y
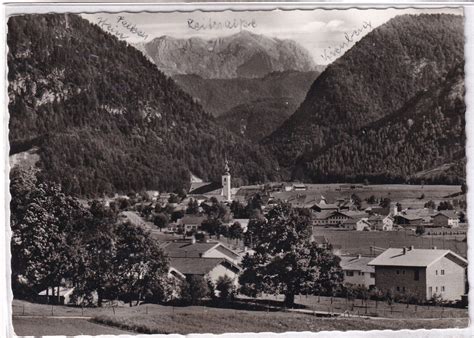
422, 272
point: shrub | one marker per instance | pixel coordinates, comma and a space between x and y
225, 286
194, 289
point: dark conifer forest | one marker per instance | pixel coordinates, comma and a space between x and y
107, 120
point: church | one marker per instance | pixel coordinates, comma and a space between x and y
222, 191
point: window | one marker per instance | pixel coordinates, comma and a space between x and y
372, 275
436, 272
417, 274
398, 272
349, 273
361, 273
403, 289
436, 289
442, 272
443, 289
398, 288
403, 271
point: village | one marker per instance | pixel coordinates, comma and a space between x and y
203, 234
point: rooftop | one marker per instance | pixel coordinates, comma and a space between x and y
447, 213
188, 249
195, 266
414, 257
358, 263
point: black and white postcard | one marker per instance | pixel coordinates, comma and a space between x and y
203, 171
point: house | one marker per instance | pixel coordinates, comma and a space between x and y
358, 224
321, 241
50, 296
200, 249
446, 218
208, 268
421, 272
381, 223
357, 271
191, 222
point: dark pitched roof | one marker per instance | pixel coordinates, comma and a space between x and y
195, 266
187, 249
191, 219
205, 188
447, 213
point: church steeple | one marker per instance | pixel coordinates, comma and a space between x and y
226, 183
226, 168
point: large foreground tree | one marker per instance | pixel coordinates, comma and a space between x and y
285, 260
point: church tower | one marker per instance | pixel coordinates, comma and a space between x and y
226, 182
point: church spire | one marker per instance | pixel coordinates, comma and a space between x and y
226, 182
226, 167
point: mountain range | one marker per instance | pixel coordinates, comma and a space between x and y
241, 55
104, 119
100, 118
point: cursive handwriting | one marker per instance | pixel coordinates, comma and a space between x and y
131, 27
111, 28
330, 54
115, 27
227, 24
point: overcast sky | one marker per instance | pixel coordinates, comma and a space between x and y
316, 30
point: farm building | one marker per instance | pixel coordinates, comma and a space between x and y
321, 218
446, 218
323, 205
49, 296
357, 271
413, 217
421, 272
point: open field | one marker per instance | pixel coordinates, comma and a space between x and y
358, 307
212, 320
63, 327
30, 318
407, 195
393, 191
359, 242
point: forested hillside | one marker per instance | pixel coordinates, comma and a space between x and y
218, 96
426, 133
106, 119
259, 118
377, 77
